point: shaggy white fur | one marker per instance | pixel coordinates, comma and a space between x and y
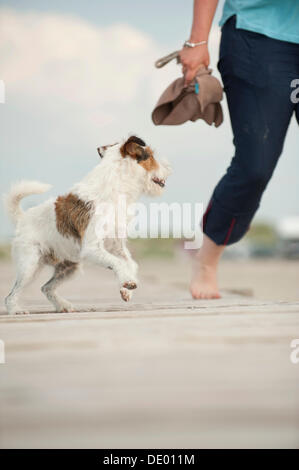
37, 240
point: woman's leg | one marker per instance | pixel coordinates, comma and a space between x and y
260, 111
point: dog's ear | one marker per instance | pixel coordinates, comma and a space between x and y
101, 150
137, 141
135, 148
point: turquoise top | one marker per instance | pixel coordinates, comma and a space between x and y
278, 19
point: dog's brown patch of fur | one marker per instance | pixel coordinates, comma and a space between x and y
72, 216
65, 268
136, 148
50, 258
150, 163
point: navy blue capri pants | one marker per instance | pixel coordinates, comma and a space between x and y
257, 72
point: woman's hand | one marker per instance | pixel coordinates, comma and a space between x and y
192, 59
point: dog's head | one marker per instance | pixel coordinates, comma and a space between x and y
139, 162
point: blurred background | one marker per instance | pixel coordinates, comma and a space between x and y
81, 74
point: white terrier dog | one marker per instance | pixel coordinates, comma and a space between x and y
63, 232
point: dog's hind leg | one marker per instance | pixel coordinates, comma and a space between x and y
27, 263
63, 271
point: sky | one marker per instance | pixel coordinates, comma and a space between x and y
80, 74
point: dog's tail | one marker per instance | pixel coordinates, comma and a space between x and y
17, 192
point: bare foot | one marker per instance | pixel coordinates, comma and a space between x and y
204, 282
204, 279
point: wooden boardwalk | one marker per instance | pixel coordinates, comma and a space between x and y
161, 372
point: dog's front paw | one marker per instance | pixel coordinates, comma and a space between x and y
125, 294
130, 285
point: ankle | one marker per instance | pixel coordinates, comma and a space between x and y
205, 262
209, 254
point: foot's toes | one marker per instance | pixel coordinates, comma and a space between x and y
203, 294
213, 295
130, 285
125, 294
195, 295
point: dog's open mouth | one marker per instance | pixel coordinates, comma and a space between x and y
159, 181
